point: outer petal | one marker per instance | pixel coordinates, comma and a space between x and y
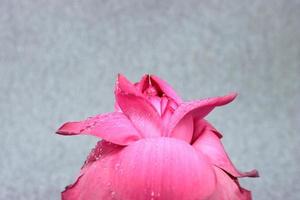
141, 171
141, 113
163, 169
165, 88
228, 188
114, 127
196, 109
94, 180
208, 142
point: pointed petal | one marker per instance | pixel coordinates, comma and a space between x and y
165, 88
228, 188
141, 113
94, 180
125, 86
143, 83
209, 143
184, 129
197, 109
114, 127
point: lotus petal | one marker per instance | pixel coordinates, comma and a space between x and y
114, 127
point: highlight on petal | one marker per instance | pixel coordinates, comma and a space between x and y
208, 142
114, 127
228, 188
156, 103
141, 113
197, 109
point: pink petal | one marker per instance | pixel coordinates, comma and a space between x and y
94, 180
141, 113
156, 102
163, 169
197, 109
102, 149
208, 142
168, 106
114, 127
138, 109
184, 129
143, 84
228, 188
165, 88
163, 104
155, 168
125, 86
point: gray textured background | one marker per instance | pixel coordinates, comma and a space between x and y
59, 60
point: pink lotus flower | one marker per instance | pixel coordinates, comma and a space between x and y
155, 147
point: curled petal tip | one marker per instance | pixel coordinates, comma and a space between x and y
227, 99
114, 127
233, 95
69, 128
120, 76
254, 173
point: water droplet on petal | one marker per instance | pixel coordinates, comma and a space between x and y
152, 195
117, 166
113, 193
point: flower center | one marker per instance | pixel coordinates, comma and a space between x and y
151, 91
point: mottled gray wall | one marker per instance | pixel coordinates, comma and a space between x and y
59, 60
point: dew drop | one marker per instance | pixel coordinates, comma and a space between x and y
152, 193
117, 166
113, 193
